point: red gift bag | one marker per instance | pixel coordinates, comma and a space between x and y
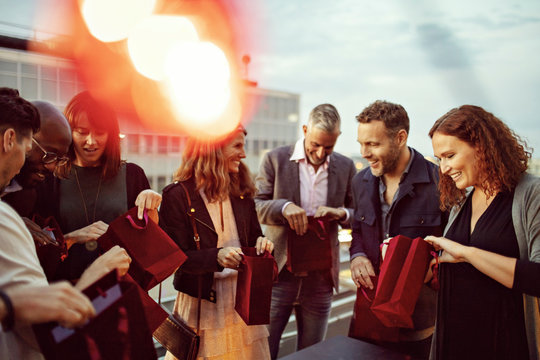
400, 280
154, 312
116, 332
364, 323
310, 251
256, 275
155, 256
50, 255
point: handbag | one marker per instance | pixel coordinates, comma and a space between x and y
364, 323
174, 334
116, 332
50, 255
256, 275
155, 256
310, 251
400, 280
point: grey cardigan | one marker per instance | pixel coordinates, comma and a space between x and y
526, 219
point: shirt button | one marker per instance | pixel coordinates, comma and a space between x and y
421, 221
363, 218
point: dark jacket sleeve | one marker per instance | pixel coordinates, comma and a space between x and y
174, 220
136, 181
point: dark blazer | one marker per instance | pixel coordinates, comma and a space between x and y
174, 219
416, 212
278, 182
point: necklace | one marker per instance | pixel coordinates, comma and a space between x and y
92, 244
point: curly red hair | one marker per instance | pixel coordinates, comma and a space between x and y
501, 155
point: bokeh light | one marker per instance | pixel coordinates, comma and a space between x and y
112, 20
197, 82
153, 38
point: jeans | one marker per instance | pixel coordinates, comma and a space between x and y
311, 297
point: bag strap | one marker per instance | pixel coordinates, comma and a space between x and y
197, 240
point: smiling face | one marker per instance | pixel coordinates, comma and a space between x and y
89, 142
318, 144
378, 148
233, 152
15, 146
457, 160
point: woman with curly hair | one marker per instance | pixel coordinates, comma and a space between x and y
221, 203
491, 247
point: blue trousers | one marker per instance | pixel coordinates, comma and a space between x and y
311, 296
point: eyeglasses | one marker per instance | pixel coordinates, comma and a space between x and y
50, 157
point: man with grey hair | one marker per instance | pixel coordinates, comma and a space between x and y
294, 182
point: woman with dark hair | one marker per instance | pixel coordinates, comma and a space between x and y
96, 186
221, 195
491, 247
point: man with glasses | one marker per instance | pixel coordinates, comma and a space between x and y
51, 145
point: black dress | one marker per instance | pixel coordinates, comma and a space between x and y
477, 317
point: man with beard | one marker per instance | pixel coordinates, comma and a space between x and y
294, 182
396, 195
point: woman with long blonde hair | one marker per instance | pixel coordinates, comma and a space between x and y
220, 192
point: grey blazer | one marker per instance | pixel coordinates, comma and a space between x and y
278, 182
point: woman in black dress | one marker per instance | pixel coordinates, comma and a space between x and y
480, 308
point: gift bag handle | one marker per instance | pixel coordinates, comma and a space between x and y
134, 225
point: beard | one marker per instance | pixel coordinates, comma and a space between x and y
388, 161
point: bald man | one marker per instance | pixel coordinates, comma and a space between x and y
50, 147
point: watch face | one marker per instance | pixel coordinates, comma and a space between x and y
91, 245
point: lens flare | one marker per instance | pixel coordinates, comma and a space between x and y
112, 20
197, 82
153, 38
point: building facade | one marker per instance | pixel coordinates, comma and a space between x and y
273, 121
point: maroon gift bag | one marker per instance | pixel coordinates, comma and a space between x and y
310, 251
256, 275
155, 314
155, 256
400, 280
50, 255
118, 331
364, 323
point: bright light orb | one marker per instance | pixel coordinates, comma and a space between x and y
197, 78
152, 39
112, 20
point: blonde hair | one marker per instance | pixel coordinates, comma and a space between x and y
204, 161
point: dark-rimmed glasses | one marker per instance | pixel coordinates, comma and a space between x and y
50, 157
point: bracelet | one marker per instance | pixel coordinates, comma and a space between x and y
9, 320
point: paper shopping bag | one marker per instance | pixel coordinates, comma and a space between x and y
364, 324
256, 275
118, 331
155, 256
400, 280
311, 251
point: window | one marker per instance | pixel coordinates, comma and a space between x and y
161, 183
175, 144
133, 143
162, 142
147, 144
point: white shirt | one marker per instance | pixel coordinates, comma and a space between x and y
19, 265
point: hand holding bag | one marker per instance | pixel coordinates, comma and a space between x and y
310, 251
364, 323
116, 332
400, 281
155, 256
51, 255
256, 275
174, 334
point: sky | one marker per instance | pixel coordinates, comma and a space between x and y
427, 55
